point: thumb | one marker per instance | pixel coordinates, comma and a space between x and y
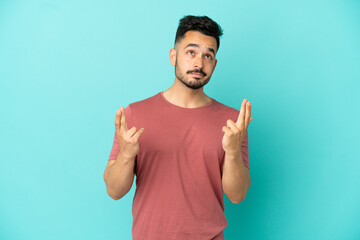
138, 134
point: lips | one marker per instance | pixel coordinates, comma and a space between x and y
196, 74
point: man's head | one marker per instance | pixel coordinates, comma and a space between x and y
196, 44
203, 25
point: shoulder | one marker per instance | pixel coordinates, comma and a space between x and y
138, 110
225, 110
145, 103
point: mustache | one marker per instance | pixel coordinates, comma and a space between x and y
196, 71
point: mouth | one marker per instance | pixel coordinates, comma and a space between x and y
197, 75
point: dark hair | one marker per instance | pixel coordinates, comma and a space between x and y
203, 24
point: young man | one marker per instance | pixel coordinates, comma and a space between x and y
184, 147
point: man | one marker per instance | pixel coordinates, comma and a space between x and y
184, 147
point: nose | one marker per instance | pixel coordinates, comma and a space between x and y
198, 62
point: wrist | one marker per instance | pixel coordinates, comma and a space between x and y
233, 155
125, 157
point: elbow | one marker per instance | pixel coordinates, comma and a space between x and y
112, 194
235, 196
238, 199
114, 197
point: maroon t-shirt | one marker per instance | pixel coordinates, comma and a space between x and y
178, 169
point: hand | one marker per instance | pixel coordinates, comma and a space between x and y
234, 133
128, 139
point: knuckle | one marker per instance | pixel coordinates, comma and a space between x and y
121, 135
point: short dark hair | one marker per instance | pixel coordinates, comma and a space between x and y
202, 24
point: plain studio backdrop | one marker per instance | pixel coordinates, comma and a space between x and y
67, 66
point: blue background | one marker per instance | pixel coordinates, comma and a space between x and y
67, 66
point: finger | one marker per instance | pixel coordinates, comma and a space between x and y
138, 134
123, 125
230, 123
117, 120
227, 131
131, 132
247, 114
240, 120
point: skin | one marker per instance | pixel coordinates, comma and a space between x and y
195, 52
236, 177
194, 59
128, 138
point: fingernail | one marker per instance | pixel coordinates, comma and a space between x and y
118, 112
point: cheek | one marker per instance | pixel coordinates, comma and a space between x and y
210, 67
183, 64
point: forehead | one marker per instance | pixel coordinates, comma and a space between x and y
198, 38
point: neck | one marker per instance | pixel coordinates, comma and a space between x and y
183, 96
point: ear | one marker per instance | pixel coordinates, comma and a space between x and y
214, 66
172, 56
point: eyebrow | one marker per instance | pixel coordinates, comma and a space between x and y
197, 46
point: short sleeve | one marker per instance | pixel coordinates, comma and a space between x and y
115, 147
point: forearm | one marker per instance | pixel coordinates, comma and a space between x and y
120, 176
235, 179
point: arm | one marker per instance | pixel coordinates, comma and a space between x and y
119, 173
236, 178
119, 176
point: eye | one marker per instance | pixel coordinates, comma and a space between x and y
208, 56
190, 52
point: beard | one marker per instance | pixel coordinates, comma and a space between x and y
193, 84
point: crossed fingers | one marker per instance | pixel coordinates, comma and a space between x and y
120, 121
244, 117
122, 128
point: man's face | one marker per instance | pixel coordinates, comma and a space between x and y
194, 59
